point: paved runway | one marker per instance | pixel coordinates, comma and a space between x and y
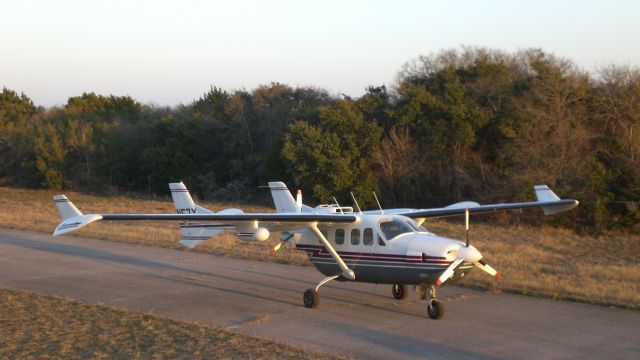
265, 300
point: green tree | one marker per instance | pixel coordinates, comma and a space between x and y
49, 155
334, 156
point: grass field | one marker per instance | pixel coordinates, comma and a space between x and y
542, 261
34, 326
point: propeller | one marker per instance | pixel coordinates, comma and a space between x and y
276, 248
486, 267
279, 245
466, 225
469, 254
448, 272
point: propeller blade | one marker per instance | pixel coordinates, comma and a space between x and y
466, 219
486, 267
276, 248
466, 225
279, 245
448, 272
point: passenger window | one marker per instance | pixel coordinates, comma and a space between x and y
367, 237
339, 236
380, 241
355, 236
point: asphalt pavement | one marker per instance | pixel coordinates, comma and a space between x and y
353, 319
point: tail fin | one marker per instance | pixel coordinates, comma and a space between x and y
282, 198
72, 218
193, 234
183, 202
544, 194
65, 207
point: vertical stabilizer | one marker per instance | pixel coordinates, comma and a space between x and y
193, 234
65, 207
183, 202
282, 198
544, 194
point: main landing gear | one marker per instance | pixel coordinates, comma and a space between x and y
435, 307
399, 291
311, 298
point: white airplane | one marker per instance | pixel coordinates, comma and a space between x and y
382, 246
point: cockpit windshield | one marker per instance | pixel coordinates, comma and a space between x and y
414, 224
394, 227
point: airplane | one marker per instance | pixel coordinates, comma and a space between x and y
385, 246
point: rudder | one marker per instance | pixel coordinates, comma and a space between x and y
65, 207
183, 202
282, 198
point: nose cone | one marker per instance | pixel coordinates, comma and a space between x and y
469, 254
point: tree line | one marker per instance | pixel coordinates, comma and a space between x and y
470, 123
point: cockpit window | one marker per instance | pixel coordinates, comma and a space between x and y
394, 227
414, 224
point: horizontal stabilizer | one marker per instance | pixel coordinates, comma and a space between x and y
76, 223
191, 243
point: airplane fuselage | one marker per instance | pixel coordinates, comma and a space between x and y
385, 249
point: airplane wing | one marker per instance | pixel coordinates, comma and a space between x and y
267, 220
547, 200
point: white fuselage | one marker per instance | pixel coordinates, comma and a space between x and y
384, 249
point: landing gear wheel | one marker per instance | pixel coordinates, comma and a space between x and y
399, 291
435, 309
310, 298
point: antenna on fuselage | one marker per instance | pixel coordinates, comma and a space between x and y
378, 202
355, 202
466, 224
339, 208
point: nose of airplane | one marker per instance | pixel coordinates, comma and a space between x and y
469, 254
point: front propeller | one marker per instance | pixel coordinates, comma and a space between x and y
486, 267
467, 254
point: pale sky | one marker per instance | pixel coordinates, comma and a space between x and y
171, 52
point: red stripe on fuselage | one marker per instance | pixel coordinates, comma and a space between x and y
318, 251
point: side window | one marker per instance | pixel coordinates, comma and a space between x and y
325, 234
339, 236
380, 241
355, 236
367, 237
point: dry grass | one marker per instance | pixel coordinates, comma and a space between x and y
544, 261
556, 263
34, 326
35, 210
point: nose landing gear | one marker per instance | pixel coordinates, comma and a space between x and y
435, 307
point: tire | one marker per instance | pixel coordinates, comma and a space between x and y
435, 309
310, 298
399, 291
